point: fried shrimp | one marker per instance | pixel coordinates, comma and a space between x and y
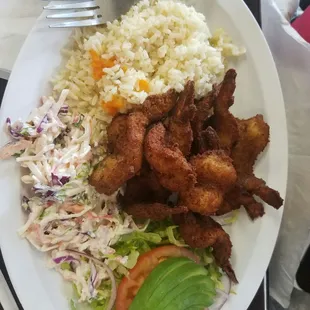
203, 113
238, 197
156, 107
154, 211
179, 128
215, 167
126, 160
145, 188
215, 176
202, 232
171, 167
223, 121
145, 198
209, 140
116, 130
254, 137
205, 200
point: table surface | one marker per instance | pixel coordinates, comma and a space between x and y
16, 20
17, 17
12, 38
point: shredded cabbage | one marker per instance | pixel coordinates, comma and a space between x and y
66, 214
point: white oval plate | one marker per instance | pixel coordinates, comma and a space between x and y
258, 91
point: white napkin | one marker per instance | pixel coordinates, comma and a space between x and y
292, 57
287, 7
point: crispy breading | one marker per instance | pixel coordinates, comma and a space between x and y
216, 168
115, 131
203, 232
145, 188
179, 128
209, 140
172, 169
204, 111
156, 107
126, 161
110, 174
238, 197
223, 121
205, 200
215, 176
259, 188
153, 211
227, 207
254, 137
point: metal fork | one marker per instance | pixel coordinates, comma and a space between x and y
87, 13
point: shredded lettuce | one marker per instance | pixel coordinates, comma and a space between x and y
207, 259
233, 218
139, 242
95, 304
72, 305
174, 236
84, 171
132, 259
146, 236
98, 303
130, 246
125, 248
232, 292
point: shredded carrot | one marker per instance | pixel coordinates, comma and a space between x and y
91, 215
113, 107
98, 64
144, 85
73, 208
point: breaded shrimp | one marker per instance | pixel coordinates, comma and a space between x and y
156, 107
126, 160
216, 168
180, 130
171, 167
145, 188
204, 111
209, 140
154, 211
201, 199
238, 197
115, 131
215, 176
254, 137
223, 121
202, 232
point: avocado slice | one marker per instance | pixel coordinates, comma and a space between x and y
177, 283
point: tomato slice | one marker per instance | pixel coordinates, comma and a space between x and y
130, 285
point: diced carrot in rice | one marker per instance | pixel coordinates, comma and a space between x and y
98, 64
144, 85
114, 106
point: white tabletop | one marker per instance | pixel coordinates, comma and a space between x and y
16, 20
18, 16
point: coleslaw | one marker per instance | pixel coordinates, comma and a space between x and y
88, 239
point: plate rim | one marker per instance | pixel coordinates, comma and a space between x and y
272, 76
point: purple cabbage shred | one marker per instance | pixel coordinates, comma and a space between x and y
59, 181
62, 259
44, 121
